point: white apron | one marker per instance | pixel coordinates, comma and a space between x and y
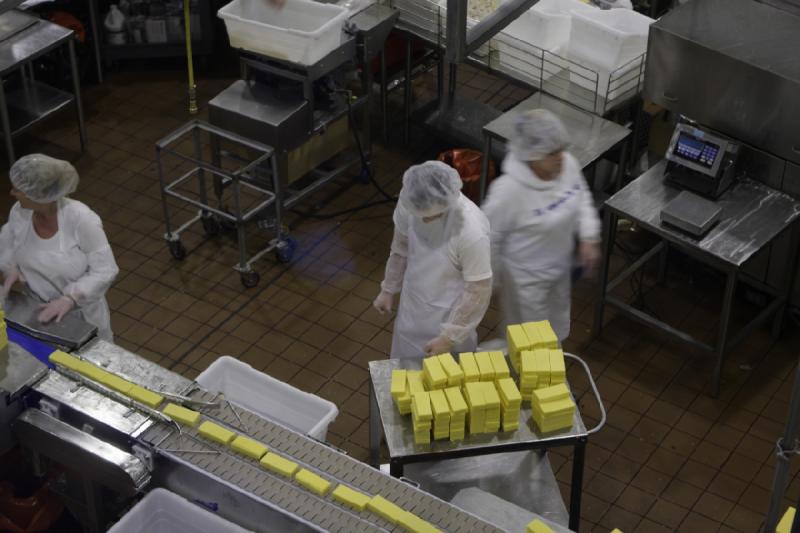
48, 270
431, 286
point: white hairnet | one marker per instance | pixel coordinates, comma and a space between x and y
43, 178
537, 133
430, 188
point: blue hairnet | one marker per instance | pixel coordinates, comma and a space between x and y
430, 188
42, 178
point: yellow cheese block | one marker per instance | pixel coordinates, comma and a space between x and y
548, 394
439, 404
249, 447
147, 397
508, 391
414, 524
434, 373
279, 465
421, 406
517, 342
118, 384
458, 407
500, 366
556, 407
469, 367
414, 379
616, 530
557, 365
215, 432
485, 366
311, 481
352, 498
474, 395
531, 330
398, 386
455, 375
537, 526
490, 396
67, 361
180, 414
385, 509
785, 525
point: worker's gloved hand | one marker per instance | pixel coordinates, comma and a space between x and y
12, 277
440, 344
589, 257
384, 302
55, 309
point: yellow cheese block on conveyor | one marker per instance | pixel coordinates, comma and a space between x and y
414, 524
147, 397
182, 415
398, 387
500, 365
385, 509
311, 481
517, 341
280, 465
433, 374
537, 526
485, 366
350, 497
469, 366
215, 432
455, 375
249, 447
548, 394
785, 525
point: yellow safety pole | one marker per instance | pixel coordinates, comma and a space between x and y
188, 36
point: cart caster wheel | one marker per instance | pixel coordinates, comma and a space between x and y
250, 279
211, 226
177, 250
286, 250
364, 175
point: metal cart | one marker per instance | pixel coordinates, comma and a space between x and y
399, 434
228, 169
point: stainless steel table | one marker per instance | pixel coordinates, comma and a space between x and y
399, 434
591, 136
35, 101
753, 215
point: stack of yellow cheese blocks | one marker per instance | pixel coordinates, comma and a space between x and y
470, 367
421, 417
441, 414
433, 375
552, 408
476, 404
537, 526
491, 422
3, 331
458, 413
527, 337
541, 368
455, 375
411, 382
511, 400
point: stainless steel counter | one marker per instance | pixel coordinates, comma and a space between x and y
752, 215
18, 370
22, 311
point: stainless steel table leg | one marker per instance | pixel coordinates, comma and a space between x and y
576, 488
662, 262
384, 97
487, 155
407, 92
6, 125
95, 39
395, 468
608, 247
788, 283
722, 334
76, 83
622, 167
374, 429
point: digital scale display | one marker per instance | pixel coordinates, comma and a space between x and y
696, 150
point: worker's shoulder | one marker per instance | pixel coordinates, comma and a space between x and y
78, 212
474, 223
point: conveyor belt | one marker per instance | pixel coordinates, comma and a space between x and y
323, 512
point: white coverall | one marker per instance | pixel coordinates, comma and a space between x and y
77, 261
534, 226
445, 275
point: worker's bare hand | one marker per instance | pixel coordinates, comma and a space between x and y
384, 302
55, 309
440, 344
589, 257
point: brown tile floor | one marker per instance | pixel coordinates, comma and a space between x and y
670, 457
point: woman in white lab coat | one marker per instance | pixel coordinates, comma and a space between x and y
56, 245
439, 263
539, 208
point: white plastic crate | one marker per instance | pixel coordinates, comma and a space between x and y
608, 39
268, 397
547, 24
162, 511
302, 31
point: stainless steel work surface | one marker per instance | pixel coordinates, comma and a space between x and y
590, 136
320, 512
752, 215
400, 434
503, 514
134, 368
30, 43
18, 370
22, 311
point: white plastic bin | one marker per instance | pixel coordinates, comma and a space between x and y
302, 31
266, 396
162, 511
547, 24
608, 38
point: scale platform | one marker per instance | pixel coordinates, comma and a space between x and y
691, 213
